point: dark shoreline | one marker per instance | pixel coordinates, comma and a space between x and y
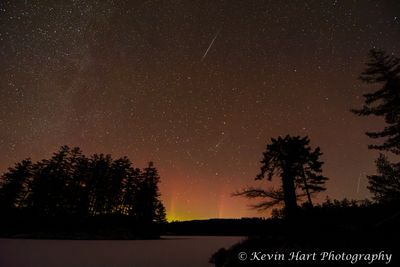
117, 229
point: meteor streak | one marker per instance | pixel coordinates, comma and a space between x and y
209, 47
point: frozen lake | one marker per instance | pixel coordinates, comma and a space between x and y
175, 251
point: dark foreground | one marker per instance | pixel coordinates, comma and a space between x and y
329, 236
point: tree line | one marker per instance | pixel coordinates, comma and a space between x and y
70, 184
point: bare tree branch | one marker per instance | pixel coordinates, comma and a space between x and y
252, 192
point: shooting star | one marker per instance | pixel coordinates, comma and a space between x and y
211, 44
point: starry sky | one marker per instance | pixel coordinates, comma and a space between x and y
198, 87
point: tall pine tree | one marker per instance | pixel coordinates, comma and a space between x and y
148, 207
298, 166
385, 102
384, 70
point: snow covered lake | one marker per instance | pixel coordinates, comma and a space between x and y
175, 251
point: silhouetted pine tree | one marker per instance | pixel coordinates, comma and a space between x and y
49, 185
81, 186
147, 203
160, 215
385, 102
74, 171
130, 191
298, 166
100, 184
14, 185
386, 184
120, 170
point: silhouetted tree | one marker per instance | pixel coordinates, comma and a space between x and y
160, 213
386, 184
385, 102
298, 166
100, 172
119, 173
147, 205
80, 190
51, 178
130, 191
14, 185
74, 171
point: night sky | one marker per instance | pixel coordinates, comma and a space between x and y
198, 87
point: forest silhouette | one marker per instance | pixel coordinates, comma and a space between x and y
71, 193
